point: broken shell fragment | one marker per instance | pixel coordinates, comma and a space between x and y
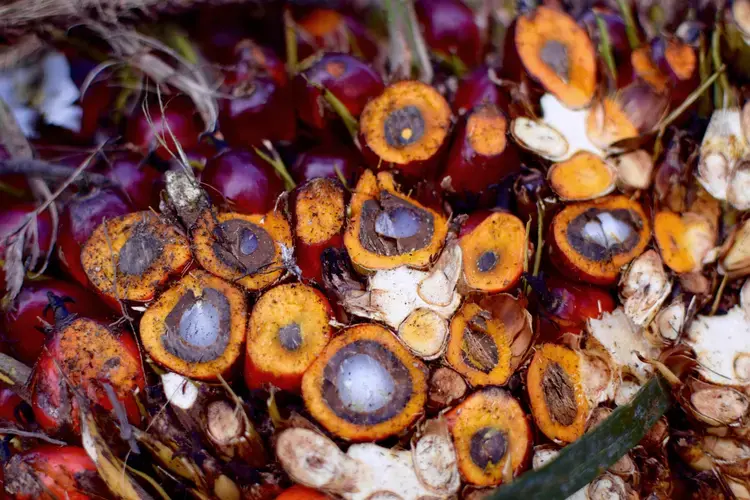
738, 190
644, 287
634, 169
387, 229
365, 385
315, 461
492, 437
249, 250
493, 253
288, 328
715, 405
197, 327
584, 176
593, 240
558, 54
735, 258
684, 240
557, 394
723, 146
488, 340
446, 387
669, 322
131, 256
393, 295
405, 127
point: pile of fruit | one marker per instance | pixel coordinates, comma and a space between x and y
375, 250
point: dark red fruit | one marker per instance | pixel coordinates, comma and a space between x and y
12, 218
81, 215
450, 30
252, 60
329, 160
97, 103
25, 322
571, 304
352, 81
47, 472
140, 182
242, 181
477, 88
331, 31
14, 409
259, 109
177, 121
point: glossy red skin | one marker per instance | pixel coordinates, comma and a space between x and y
179, 119
472, 172
473, 221
56, 468
81, 215
327, 160
12, 218
55, 407
139, 181
251, 59
365, 46
243, 181
476, 88
449, 28
308, 257
260, 110
97, 103
575, 303
28, 315
414, 170
357, 84
13, 408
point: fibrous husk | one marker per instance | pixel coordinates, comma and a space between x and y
722, 344
368, 471
644, 287
723, 147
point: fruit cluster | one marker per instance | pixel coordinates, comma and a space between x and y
405, 251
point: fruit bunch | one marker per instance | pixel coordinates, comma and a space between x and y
417, 249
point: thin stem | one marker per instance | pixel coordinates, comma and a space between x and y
630, 28
689, 101
290, 39
527, 288
721, 92
605, 48
704, 71
351, 123
539, 237
49, 171
16, 375
719, 293
278, 165
33, 435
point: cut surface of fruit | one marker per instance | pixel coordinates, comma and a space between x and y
492, 437
684, 241
365, 386
387, 229
585, 176
130, 257
405, 126
197, 327
556, 393
593, 240
558, 54
246, 249
288, 329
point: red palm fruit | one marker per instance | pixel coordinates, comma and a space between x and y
157, 129
48, 472
352, 81
25, 322
450, 30
14, 409
331, 31
477, 88
251, 59
242, 181
138, 180
96, 105
12, 218
84, 354
81, 215
330, 160
481, 154
571, 304
259, 109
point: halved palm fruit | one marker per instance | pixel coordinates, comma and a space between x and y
493, 253
197, 327
387, 229
490, 429
244, 249
130, 257
585, 176
405, 127
684, 240
558, 54
557, 394
289, 328
365, 385
592, 240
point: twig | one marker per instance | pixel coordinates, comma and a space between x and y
290, 39
719, 294
126, 430
275, 161
15, 374
49, 171
407, 46
630, 29
34, 435
41, 189
605, 47
351, 123
539, 237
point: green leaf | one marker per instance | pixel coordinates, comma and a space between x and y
582, 461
